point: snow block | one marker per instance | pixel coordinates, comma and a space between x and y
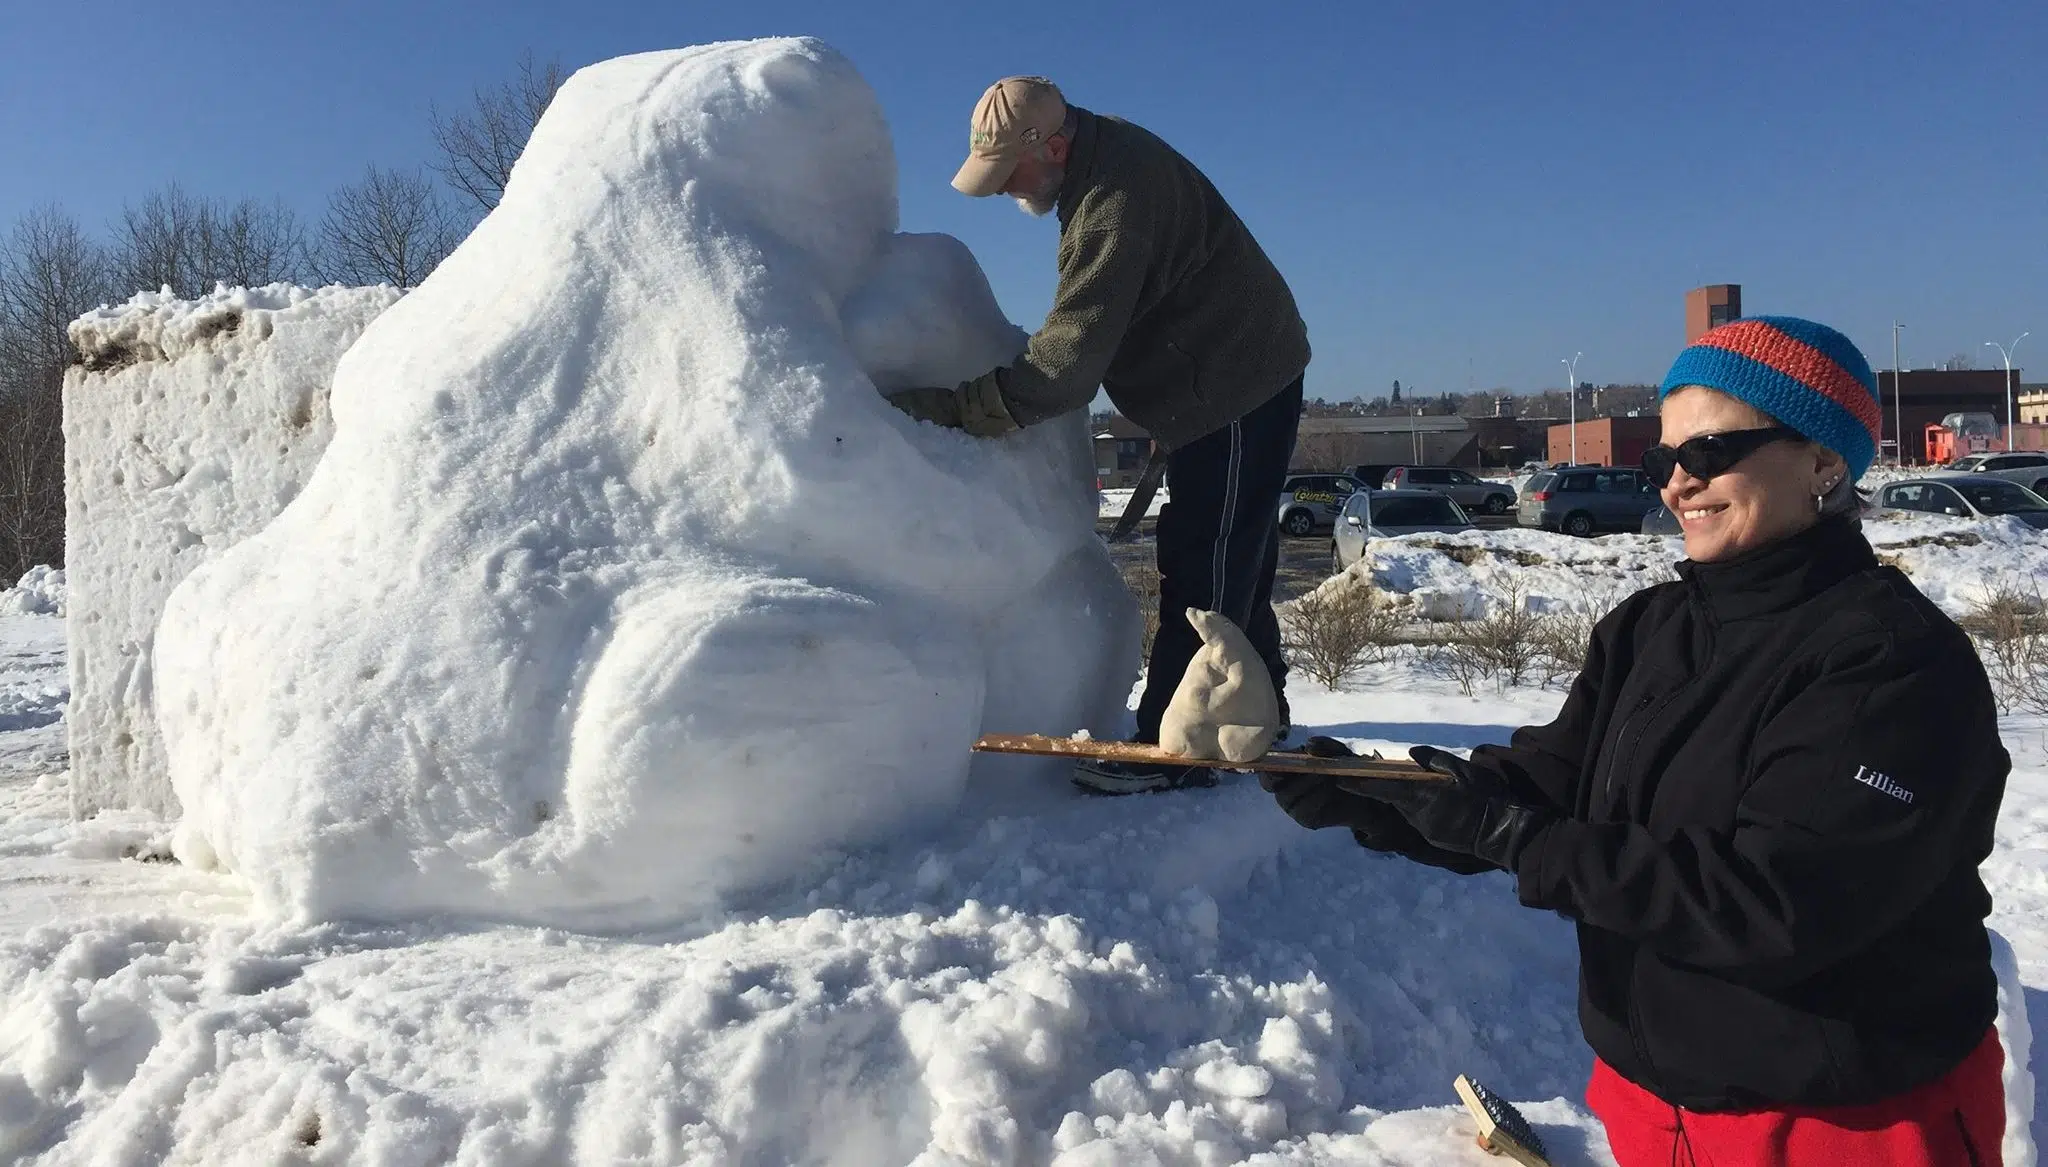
188, 425
621, 585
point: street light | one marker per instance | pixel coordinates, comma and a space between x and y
2005, 350
1898, 402
1571, 377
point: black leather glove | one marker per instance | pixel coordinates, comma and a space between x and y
1471, 814
1316, 802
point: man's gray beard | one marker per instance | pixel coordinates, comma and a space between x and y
1046, 199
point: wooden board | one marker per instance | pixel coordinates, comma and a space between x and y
1279, 761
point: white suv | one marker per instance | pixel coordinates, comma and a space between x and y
1476, 494
2028, 468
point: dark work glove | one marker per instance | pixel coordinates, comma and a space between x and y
1471, 814
976, 407
938, 406
1316, 801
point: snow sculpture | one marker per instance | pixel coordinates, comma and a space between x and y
188, 425
1225, 707
620, 585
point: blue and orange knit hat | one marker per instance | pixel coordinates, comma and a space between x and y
1806, 375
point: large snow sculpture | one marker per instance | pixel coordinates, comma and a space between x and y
620, 585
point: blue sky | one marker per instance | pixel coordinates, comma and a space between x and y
1461, 195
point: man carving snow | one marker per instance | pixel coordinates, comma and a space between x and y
1166, 301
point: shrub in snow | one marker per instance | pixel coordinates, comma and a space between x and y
188, 425
2009, 624
620, 584
1335, 630
40, 592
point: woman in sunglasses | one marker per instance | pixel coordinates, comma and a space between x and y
1763, 803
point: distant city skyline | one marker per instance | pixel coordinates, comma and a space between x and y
1459, 203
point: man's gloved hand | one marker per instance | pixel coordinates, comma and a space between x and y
976, 407
938, 406
1471, 814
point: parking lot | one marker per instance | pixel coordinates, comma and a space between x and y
1304, 563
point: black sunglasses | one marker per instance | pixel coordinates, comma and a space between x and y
1711, 454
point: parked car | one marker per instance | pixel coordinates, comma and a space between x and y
1970, 496
1372, 475
1309, 502
1494, 498
1579, 500
1383, 514
2024, 467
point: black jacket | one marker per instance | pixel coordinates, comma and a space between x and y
1777, 776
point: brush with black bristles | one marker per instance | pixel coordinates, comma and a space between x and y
1502, 1129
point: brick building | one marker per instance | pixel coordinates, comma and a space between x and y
1120, 449
1711, 307
1606, 441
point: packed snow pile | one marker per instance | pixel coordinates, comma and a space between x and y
188, 425
1462, 575
620, 583
40, 592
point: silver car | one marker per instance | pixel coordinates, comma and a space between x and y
1383, 514
1470, 492
2028, 468
1968, 496
1309, 502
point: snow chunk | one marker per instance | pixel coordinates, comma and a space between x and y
41, 592
158, 326
188, 426
620, 585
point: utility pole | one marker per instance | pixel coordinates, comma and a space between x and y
1571, 377
1898, 402
2005, 351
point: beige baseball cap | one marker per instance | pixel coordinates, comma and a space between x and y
1010, 120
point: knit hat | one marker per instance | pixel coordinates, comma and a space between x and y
1806, 375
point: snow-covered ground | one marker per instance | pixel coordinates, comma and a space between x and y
1183, 979
1956, 562
1110, 504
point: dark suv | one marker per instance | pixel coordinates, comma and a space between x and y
1580, 500
1474, 494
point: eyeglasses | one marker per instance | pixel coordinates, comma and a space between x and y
1709, 454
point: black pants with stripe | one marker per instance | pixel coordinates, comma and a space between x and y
1219, 543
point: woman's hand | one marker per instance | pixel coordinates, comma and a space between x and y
1471, 814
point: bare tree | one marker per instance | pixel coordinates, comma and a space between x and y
172, 239
390, 228
153, 244
50, 273
480, 144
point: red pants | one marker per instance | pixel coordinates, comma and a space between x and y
1957, 1120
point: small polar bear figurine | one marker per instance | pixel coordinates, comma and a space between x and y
1225, 708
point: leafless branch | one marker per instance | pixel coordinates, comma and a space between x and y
480, 144
390, 228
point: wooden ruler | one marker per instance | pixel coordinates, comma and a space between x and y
1279, 761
